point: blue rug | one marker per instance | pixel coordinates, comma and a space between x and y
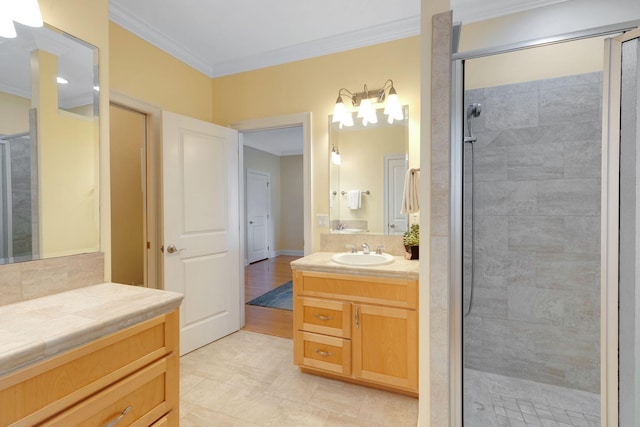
280, 297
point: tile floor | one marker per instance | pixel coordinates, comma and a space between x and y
248, 379
492, 400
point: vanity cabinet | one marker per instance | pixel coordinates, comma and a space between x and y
362, 329
130, 377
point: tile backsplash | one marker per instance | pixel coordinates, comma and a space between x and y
27, 280
337, 242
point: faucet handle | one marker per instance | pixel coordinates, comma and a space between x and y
379, 250
352, 247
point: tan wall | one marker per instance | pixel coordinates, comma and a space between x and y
266, 162
14, 117
141, 70
291, 213
564, 59
312, 85
127, 136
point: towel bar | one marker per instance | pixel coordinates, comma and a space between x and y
344, 193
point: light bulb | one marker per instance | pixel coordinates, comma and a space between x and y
338, 111
393, 109
367, 113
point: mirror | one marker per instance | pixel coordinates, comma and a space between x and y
365, 188
49, 136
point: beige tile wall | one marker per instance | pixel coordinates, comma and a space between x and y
33, 279
337, 242
440, 184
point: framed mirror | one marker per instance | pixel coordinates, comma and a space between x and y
49, 138
367, 169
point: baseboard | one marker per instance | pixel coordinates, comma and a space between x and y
288, 252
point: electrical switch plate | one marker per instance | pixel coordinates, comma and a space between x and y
322, 220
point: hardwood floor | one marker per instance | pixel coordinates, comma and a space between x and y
260, 278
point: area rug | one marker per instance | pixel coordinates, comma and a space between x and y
280, 297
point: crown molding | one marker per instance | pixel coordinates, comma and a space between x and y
467, 11
364, 37
143, 30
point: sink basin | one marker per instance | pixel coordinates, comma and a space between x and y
362, 259
350, 230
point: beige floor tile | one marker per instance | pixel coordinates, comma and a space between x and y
248, 379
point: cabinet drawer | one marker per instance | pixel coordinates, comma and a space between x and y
138, 400
376, 290
323, 352
66, 379
323, 316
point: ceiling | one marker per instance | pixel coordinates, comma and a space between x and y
221, 37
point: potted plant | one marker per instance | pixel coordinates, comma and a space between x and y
411, 240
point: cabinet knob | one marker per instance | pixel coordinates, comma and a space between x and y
322, 317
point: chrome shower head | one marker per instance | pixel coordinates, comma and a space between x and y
474, 110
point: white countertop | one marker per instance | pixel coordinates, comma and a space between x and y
400, 268
36, 329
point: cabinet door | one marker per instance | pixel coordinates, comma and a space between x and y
385, 345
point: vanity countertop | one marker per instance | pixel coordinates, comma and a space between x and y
401, 268
33, 330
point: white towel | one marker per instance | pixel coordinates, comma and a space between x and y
354, 199
411, 194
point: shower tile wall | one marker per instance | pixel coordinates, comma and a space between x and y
536, 306
21, 188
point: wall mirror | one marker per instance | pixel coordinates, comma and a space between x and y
49, 137
367, 169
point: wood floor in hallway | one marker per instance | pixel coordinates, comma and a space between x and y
260, 278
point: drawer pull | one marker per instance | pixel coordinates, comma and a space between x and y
119, 418
323, 353
322, 317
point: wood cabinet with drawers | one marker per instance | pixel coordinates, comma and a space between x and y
362, 329
128, 378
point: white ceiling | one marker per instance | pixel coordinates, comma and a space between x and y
220, 37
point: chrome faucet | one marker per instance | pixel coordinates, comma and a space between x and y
365, 248
379, 250
352, 248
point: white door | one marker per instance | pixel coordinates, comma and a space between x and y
201, 227
257, 215
395, 172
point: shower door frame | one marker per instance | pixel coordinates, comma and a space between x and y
609, 218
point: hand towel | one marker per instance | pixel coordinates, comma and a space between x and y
411, 194
354, 199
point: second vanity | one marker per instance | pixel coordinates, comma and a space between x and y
358, 324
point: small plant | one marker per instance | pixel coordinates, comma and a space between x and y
412, 236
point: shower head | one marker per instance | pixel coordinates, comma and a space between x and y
474, 110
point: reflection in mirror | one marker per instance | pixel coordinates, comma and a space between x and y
48, 145
366, 185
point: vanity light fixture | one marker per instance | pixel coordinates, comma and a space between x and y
335, 156
25, 12
364, 100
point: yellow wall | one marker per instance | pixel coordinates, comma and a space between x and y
312, 85
145, 72
564, 59
14, 113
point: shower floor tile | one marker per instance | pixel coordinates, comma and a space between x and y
492, 400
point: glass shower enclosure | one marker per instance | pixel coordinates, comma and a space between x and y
526, 173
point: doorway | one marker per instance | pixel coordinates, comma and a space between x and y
128, 140
258, 215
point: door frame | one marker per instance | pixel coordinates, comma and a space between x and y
268, 224
609, 222
154, 266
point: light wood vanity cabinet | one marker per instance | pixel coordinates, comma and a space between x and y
360, 328
131, 376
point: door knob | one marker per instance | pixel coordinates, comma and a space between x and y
392, 226
250, 222
172, 249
